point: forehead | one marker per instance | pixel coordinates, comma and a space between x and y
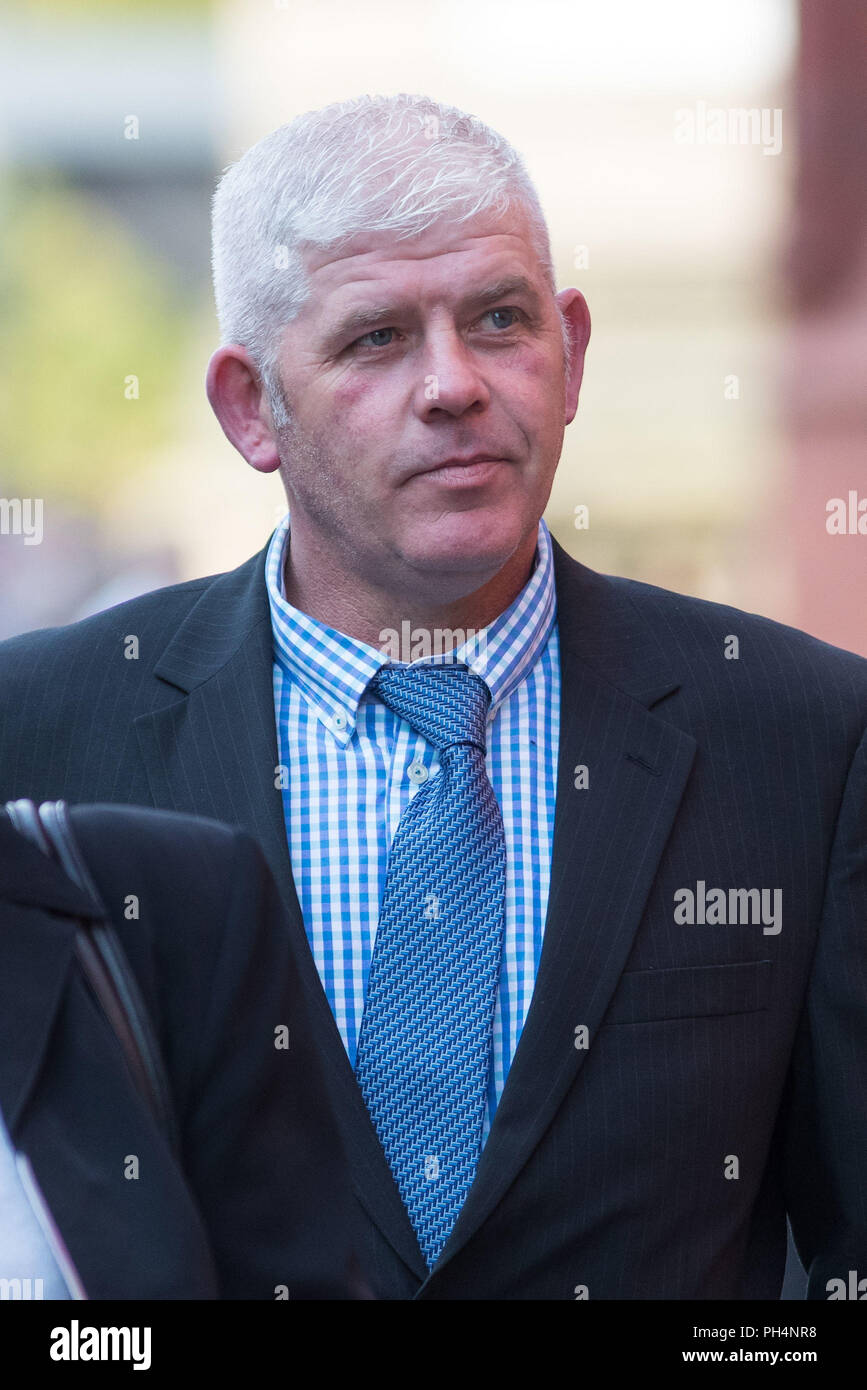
445, 260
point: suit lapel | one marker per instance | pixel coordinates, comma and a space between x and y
608, 839
213, 752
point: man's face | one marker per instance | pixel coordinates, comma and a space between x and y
408, 354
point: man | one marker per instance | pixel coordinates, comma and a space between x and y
241, 1191
577, 899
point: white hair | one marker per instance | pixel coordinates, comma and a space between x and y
394, 163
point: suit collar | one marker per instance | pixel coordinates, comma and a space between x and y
596, 615
217, 626
600, 623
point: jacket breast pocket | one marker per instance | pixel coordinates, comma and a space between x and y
692, 991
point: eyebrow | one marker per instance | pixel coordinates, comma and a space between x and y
361, 320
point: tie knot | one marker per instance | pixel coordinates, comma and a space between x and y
446, 704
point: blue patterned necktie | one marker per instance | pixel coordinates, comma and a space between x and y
425, 1042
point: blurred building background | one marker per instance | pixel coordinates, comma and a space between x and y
724, 402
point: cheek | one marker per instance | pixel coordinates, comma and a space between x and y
533, 393
359, 402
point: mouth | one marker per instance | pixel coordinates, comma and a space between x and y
464, 472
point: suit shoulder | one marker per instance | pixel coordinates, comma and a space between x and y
171, 600
754, 661
150, 612
705, 619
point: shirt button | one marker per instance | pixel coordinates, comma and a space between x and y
339, 721
417, 772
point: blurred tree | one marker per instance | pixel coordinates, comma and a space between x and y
111, 8
83, 310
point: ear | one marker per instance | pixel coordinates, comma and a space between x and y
239, 401
573, 306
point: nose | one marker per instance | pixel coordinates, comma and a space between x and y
451, 381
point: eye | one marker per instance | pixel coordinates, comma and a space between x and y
385, 337
368, 339
516, 315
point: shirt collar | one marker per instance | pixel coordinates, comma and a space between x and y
333, 670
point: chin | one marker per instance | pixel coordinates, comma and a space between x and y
460, 542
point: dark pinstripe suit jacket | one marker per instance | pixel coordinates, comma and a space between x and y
724, 1077
257, 1195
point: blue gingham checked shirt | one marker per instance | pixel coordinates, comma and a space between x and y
348, 758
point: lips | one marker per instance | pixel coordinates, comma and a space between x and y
462, 461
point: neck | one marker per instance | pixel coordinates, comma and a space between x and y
365, 611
